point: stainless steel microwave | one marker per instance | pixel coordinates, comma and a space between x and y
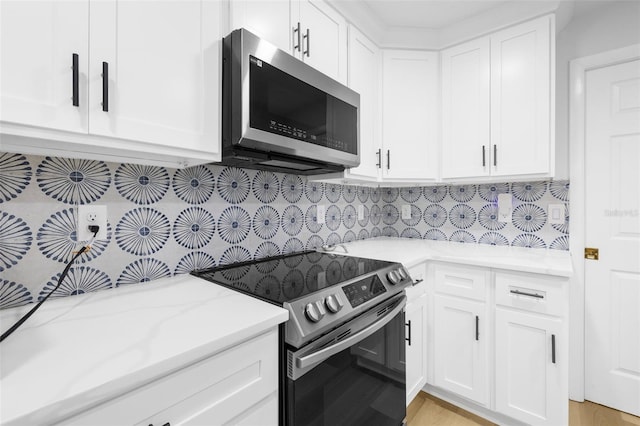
280, 114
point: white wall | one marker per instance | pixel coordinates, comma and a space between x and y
596, 26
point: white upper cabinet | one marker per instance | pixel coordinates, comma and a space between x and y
129, 81
497, 104
409, 115
44, 57
310, 30
269, 20
364, 78
521, 76
465, 109
163, 76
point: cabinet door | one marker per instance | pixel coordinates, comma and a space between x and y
409, 114
521, 83
465, 110
39, 40
416, 348
364, 65
460, 345
163, 72
324, 38
269, 20
531, 382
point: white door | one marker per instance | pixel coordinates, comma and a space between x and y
324, 38
163, 72
269, 20
460, 345
465, 110
529, 368
612, 283
364, 63
39, 41
409, 115
521, 77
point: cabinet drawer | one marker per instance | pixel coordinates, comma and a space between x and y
418, 274
212, 391
462, 281
535, 293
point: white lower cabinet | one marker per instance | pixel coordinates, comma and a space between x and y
500, 343
238, 386
416, 333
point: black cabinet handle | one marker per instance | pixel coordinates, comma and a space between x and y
477, 327
483, 156
408, 324
75, 80
388, 159
166, 424
379, 154
296, 31
307, 37
418, 281
495, 155
553, 348
105, 86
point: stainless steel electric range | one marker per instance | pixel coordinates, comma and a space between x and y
342, 351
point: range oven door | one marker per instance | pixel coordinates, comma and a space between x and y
354, 375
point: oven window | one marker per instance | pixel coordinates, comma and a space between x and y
362, 385
283, 105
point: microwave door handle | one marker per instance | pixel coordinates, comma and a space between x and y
325, 353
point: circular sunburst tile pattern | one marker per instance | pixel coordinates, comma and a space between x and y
292, 188
143, 231
390, 231
375, 194
265, 186
410, 195
194, 185
349, 193
141, 184
266, 222
435, 215
489, 192
15, 175
333, 217
266, 249
435, 235
560, 243
13, 294
349, 236
462, 237
333, 239
410, 233
435, 194
375, 215
234, 224
333, 192
390, 195
79, 280
349, 216
493, 239
194, 228
528, 241
233, 185
560, 190
528, 191
292, 245
314, 191
529, 217
311, 219
363, 234
315, 242
194, 261
73, 181
142, 271
292, 220
15, 240
462, 193
488, 218
363, 194
235, 254
462, 216
390, 214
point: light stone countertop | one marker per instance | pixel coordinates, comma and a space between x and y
76, 352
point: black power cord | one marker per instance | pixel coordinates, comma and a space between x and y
14, 327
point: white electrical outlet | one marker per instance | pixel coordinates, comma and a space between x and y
321, 211
360, 212
406, 211
91, 215
556, 214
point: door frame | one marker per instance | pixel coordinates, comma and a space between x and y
578, 69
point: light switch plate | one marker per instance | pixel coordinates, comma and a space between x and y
406, 211
321, 211
555, 214
360, 212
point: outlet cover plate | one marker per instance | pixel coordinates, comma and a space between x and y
91, 215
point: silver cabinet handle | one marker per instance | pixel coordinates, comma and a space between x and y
388, 159
524, 293
484, 163
307, 37
296, 31
379, 154
495, 155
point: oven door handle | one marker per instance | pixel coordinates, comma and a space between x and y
325, 353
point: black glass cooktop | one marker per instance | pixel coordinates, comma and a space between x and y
285, 278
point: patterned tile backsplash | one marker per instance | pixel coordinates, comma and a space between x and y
165, 221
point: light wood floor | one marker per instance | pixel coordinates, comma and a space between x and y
427, 410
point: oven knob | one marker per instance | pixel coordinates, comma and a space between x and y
403, 273
313, 312
332, 303
393, 277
